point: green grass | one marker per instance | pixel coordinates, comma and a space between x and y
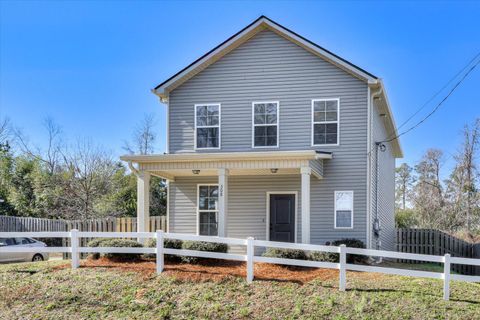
37, 291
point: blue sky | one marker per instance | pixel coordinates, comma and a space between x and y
91, 65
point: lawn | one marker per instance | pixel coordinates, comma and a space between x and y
51, 290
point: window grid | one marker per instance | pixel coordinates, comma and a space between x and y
205, 123
265, 129
343, 207
329, 126
207, 207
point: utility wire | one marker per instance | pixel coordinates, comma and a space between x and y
436, 94
438, 105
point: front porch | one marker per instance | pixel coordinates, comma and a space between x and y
219, 169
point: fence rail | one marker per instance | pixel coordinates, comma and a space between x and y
250, 258
436, 242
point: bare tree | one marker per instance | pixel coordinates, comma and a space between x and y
5, 132
428, 196
464, 178
51, 157
144, 137
90, 172
403, 184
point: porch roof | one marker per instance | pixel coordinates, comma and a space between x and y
169, 166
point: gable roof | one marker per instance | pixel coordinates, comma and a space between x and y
163, 89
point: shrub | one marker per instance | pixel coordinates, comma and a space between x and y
334, 257
93, 244
105, 242
167, 243
285, 253
202, 246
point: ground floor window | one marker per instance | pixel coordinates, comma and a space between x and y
207, 210
344, 209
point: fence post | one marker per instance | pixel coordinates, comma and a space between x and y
160, 257
343, 267
74, 246
446, 277
250, 254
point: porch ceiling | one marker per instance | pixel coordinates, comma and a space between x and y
169, 166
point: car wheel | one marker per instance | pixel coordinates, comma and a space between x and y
37, 257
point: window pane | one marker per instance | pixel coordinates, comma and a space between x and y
271, 141
213, 191
344, 200
318, 115
271, 130
202, 136
344, 219
331, 128
319, 105
331, 116
271, 109
331, 105
259, 141
208, 224
271, 119
260, 119
201, 111
259, 108
207, 138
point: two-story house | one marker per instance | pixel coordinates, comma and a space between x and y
272, 136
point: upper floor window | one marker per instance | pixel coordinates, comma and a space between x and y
207, 126
325, 121
265, 124
343, 209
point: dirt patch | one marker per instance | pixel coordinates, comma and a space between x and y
218, 270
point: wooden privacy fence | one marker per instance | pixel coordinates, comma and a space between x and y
126, 224
436, 242
250, 258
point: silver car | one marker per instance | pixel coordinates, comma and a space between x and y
35, 255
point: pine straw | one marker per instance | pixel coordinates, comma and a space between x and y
219, 270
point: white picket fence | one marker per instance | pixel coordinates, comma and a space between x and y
250, 257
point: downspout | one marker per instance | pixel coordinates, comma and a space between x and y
375, 225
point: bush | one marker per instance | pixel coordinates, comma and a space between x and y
202, 246
93, 244
334, 257
285, 253
167, 243
405, 218
118, 243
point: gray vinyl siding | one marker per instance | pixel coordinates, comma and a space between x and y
269, 67
386, 185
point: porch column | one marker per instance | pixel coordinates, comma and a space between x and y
143, 201
222, 202
305, 171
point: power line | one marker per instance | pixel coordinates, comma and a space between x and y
436, 94
438, 105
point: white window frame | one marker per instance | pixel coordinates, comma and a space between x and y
219, 126
265, 125
335, 209
313, 123
203, 210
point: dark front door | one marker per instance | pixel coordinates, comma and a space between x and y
282, 217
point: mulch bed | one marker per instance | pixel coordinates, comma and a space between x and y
217, 270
